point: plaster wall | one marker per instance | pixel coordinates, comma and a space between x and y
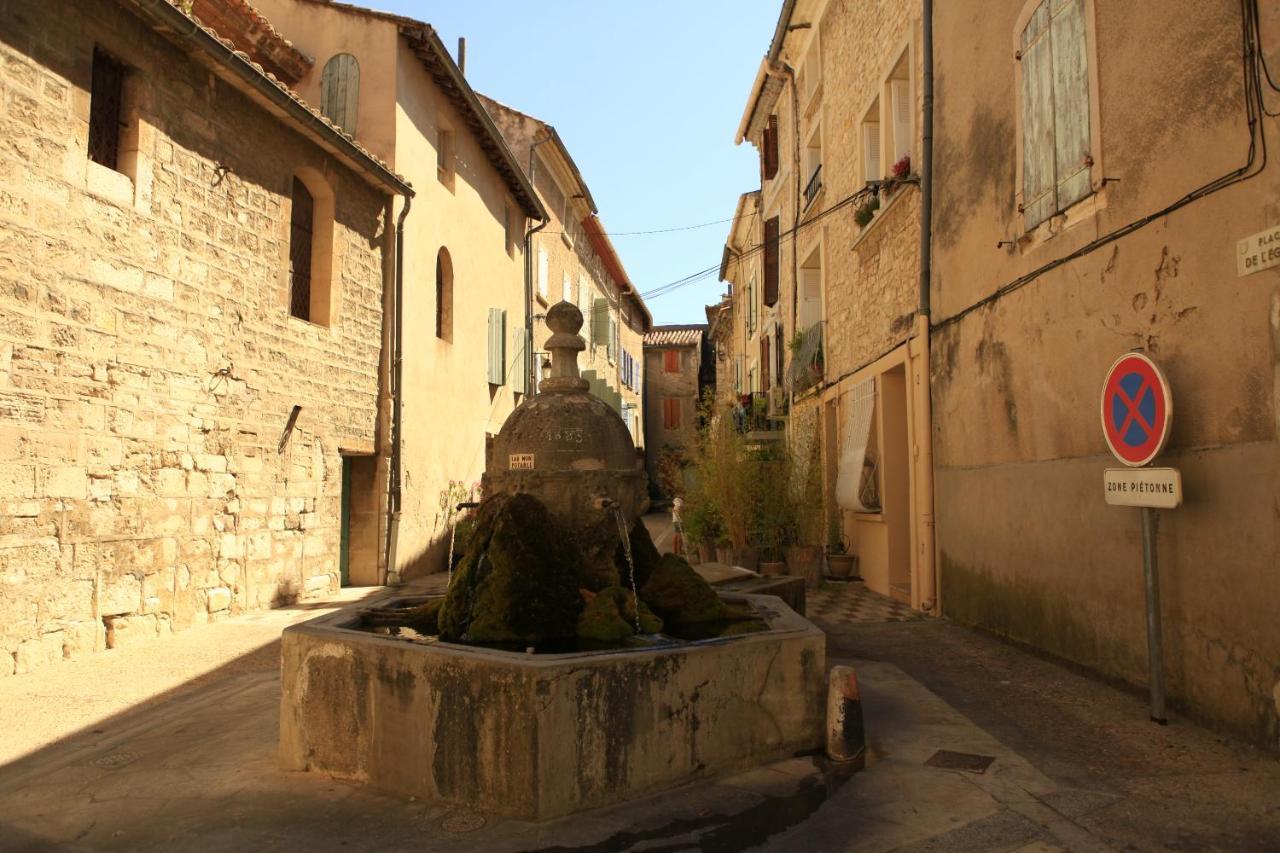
148, 360
1027, 546
449, 407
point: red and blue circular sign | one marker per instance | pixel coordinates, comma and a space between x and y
1137, 409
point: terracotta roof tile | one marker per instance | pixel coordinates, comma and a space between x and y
675, 336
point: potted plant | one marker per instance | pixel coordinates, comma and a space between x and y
840, 563
866, 211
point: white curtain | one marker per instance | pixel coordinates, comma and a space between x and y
860, 407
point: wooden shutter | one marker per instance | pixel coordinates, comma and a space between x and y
871, 151
901, 91
1070, 101
519, 367
340, 91
670, 413
1038, 156
770, 153
497, 346
600, 322
765, 364
671, 361
772, 264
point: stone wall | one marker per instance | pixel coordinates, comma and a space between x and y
148, 362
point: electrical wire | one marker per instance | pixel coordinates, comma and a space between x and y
1254, 108
751, 251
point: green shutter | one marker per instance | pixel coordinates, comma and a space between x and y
600, 322
519, 369
497, 346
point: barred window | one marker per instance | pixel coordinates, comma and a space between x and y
301, 226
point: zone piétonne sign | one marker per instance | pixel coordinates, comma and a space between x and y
1137, 409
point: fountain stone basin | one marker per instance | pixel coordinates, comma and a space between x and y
542, 736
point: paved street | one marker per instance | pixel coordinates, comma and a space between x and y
190, 764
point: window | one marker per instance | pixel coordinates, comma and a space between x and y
301, 228
497, 356
584, 299
340, 91
444, 154
1054, 68
811, 70
810, 308
671, 361
670, 413
444, 295
772, 263
544, 275
106, 110
311, 247
813, 166
600, 317
613, 338
770, 155
752, 297
871, 167
567, 286
901, 109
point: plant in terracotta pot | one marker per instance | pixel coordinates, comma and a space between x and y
840, 563
701, 527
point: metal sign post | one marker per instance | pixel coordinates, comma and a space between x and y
1137, 411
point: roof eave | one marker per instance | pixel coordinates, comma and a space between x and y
238, 71
427, 45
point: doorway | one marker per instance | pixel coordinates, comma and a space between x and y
896, 479
358, 549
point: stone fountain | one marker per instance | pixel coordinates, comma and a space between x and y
569, 665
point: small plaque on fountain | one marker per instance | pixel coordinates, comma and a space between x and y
520, 461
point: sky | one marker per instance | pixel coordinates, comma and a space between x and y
647, 96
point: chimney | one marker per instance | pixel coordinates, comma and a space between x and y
462, 55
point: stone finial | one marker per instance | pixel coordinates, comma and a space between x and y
564, 319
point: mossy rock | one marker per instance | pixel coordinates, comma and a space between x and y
644, 555
744, 626
679, 595
519, 581
610, 617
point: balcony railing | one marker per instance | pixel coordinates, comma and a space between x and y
814, 186
806, 366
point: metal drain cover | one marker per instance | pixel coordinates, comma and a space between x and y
464, 822
114, 760
968, 761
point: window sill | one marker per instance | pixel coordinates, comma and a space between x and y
812, 204
311, 324
109, 185
869, 517
1084, 210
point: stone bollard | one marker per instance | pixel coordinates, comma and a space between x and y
846, 736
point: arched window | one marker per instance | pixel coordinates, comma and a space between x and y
311, 248
340, 91
444, 295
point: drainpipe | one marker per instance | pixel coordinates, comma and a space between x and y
929, 598
397, 398
530, 371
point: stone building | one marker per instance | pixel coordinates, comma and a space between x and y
1063, 239
741, 269
825, 273
573, 260
391, 82
677, 370
193, 268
